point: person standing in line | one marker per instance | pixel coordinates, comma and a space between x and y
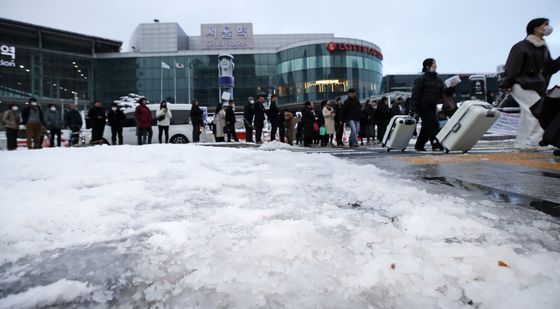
369, 113
116, 120
527, 73
196, 120
273, 114
281, 127
230, 122
329, 116
397, 107
219, 123
351, 113
143, 118
73, 121
11, 120
32, 117
163, 116
309, 124
290, 123
338, 121
248, 115
382, 117
53, 123
97, 118
427, 92
258, 110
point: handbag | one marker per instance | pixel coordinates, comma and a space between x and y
448, 103
323, 131
315, 127
161, 117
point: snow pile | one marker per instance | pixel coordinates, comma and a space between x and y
184, 226
275, 145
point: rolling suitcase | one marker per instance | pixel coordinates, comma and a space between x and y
398, 133
467, 126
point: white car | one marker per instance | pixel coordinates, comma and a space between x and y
180, 129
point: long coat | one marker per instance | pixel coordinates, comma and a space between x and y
220, 123
328, 114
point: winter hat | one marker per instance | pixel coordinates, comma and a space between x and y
537, 22
427, 63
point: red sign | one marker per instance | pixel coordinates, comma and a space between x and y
332, 46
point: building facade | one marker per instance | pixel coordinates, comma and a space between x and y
163, 62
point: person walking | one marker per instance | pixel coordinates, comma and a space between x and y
97, 118
248, 115
527, 73
382, 117
163, 116
143, 118
273, 115
338, 121
196, 120
116, 120
32, 118
230, 122
329, 116
11, 119
258, 110
73, 121
351, 113
219, 123
53, 123
426, 94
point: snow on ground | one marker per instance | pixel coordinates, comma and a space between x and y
184, 226
275, 145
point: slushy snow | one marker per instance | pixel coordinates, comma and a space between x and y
184, 225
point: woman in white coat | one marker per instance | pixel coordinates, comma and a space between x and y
220, 123
163, 116
328, 114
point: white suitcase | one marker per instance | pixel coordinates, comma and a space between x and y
467, 126
398, 133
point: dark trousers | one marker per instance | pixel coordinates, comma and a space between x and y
339, 127
11, 136
258, 133
97, 133
142, 134
75, 135
282, 132
429, 129
196, 132
273, 130
54, 132
116, 132
248, 133
161, 130
231, 133
307, 140
381, 129
150, 134
34, 133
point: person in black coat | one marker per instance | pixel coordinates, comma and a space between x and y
382, 118
351, 114
258, 110
97, 120
273, 115
338, 121
308, 123
196, 120
230, 122
116, 119
73, 121
426, 94
248, 116
369, 120
527, 73
397, 108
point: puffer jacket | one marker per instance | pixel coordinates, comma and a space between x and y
11, 119
167, 120
427, 92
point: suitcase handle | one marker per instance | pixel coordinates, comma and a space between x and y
456, 127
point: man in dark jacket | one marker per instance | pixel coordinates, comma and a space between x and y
382, 118
351, 114
196, 120
73, 121
273, 114
97, 118
230, 122
53, 123
527, 74
143, 118
338, 121
258, 110
308, 123
116, 119
426, 94
397, 107
248, 116
32, 117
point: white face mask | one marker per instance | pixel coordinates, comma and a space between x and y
548, 30
34, 103
53, 109
14, 108
114, 108
252, 102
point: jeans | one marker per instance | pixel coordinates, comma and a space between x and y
354, 126
142, 135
